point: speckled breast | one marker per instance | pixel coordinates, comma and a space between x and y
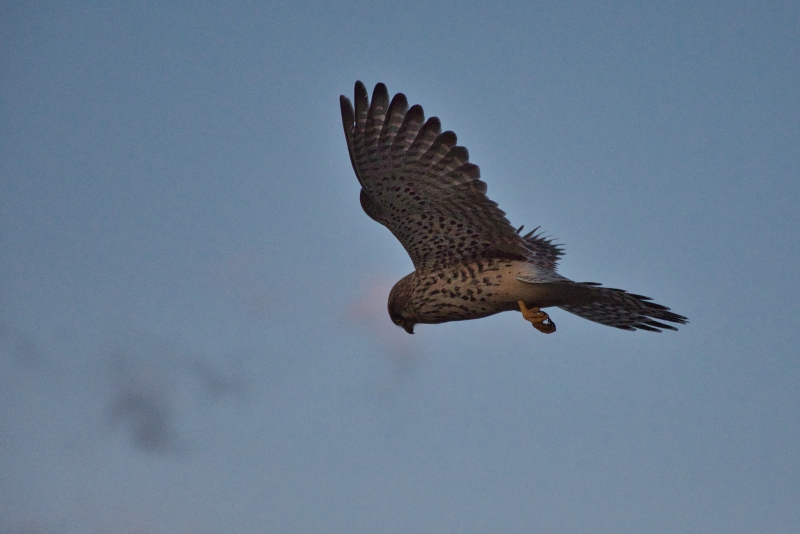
468, 291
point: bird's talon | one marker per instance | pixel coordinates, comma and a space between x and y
539, 319
545, 327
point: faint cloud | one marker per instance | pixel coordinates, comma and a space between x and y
216, 383
141, 396
146, 417
155, 384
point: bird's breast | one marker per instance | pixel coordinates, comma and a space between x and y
468, 291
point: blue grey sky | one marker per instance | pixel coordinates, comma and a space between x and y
193, 326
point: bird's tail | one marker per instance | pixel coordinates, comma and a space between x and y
620, 309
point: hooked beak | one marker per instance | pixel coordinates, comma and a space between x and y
408, 327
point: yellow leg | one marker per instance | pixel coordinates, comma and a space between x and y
539, 319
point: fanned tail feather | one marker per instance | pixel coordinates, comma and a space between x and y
627, 311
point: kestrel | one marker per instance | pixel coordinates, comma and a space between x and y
469, 261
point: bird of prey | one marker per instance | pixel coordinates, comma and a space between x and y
469, 261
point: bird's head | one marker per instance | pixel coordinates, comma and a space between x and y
399, 320
401, 311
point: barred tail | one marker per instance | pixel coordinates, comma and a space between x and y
620, 309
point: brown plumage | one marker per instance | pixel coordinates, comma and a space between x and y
469, 261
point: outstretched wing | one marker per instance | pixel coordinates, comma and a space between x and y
418, 183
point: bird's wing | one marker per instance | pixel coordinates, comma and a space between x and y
418, 183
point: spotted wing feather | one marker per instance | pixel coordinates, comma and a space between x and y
419, 183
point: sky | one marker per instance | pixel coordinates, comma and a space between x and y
193, 325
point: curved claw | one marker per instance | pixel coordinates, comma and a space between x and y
539, 319
546, 327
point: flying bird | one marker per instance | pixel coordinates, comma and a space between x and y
469, 261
